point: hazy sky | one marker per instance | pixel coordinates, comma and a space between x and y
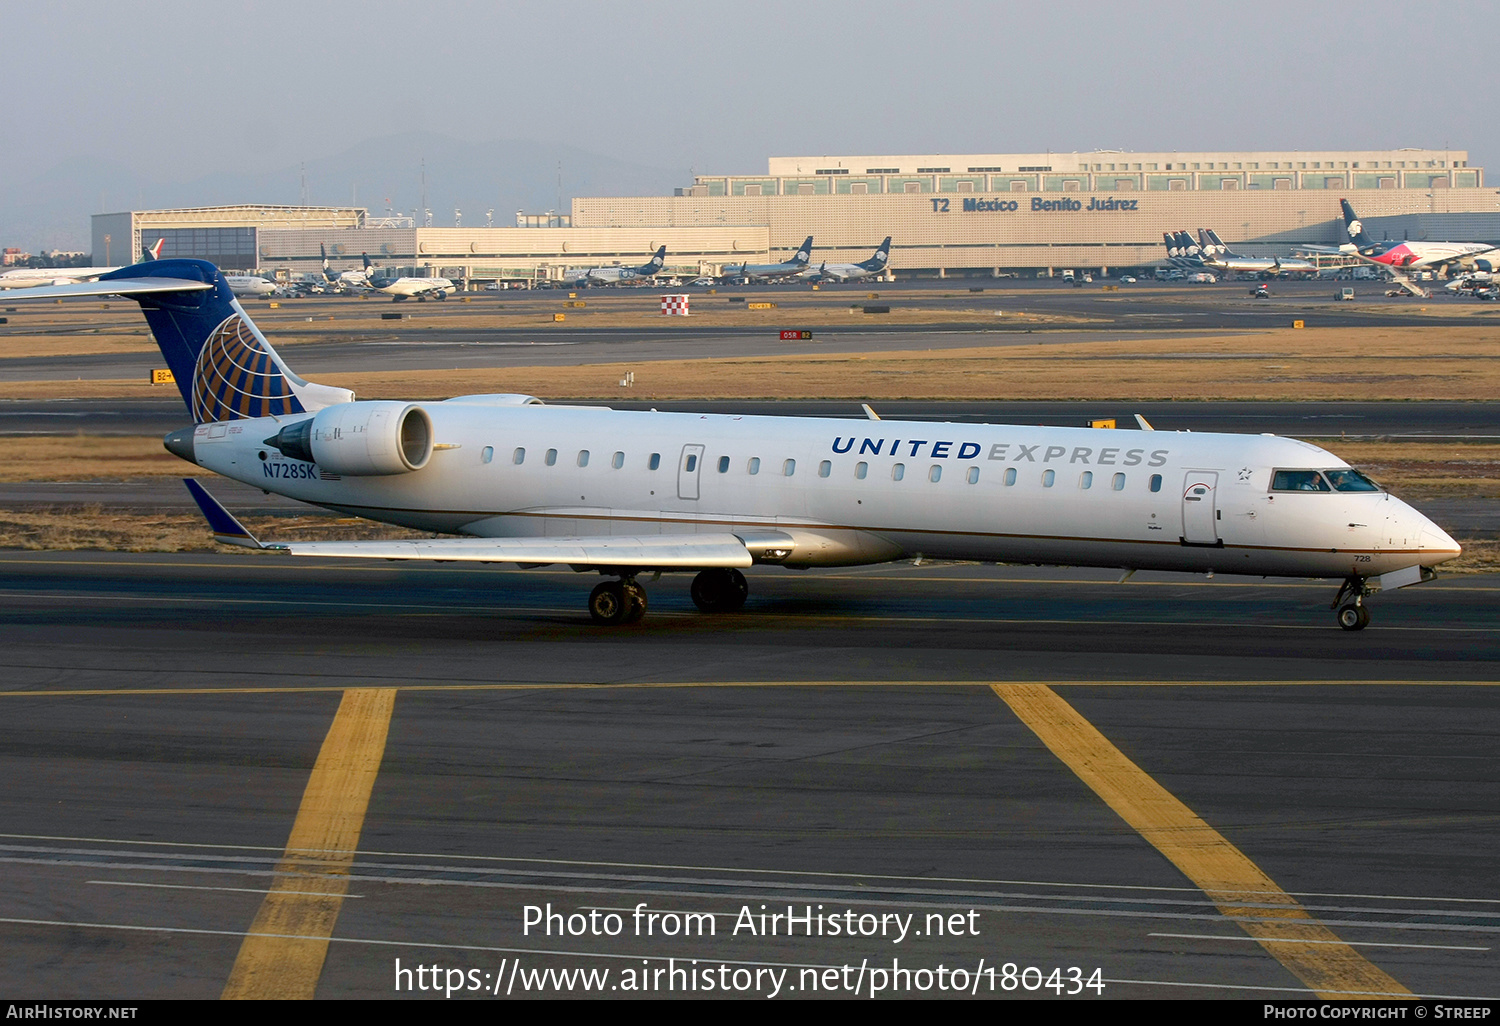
178, 90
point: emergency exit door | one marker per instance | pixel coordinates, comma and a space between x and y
689, 466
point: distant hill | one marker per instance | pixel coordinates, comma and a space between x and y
52, 210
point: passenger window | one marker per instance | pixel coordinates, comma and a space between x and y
1349, 480
825, 468
518, 457
618, 460
860, 470
1048, 477
789, 467
692, 462
1010, 476
486, 454
723, 464
1156, 482
1086, 480
754, 465
655, 462
583, 457
1118, 483
1298, 481
898, 472
935, 474
551, 459
973, 475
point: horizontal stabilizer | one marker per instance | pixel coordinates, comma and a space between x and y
114, 287
226, 529
648, 552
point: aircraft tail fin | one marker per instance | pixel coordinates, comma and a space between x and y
223, 366
1190, 249
1211, 243
657, 261
153, 251
881, 258
1354, 226
804, 253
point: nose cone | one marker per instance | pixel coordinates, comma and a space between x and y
1437, 546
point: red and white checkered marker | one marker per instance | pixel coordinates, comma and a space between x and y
674, 306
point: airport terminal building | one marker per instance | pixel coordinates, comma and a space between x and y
948, 214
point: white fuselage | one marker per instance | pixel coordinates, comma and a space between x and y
404, 287
249, 285
1258, 265
838, 272
608, 275
31, 277
860, 491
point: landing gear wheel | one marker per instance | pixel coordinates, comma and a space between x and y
1352, 617
607, 604
720, 590
635, 601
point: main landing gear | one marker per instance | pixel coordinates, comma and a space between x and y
1351, 613
720, 590
622, 601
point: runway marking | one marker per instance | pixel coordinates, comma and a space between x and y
283, 952
191, 887
547, 952
295, 689
1240, 889
851, 876
1298, 940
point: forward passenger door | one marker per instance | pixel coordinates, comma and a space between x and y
1199, 510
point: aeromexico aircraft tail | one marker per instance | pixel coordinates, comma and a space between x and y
653, 265
1355, 227
804, 253
1210, 243
224, 367
881, 258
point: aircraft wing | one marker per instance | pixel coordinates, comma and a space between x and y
653, 552
647, 551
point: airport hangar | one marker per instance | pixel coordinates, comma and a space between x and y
963, 214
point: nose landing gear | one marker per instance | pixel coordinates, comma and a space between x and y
1349, 604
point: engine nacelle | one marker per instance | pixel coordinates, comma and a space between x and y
361, 439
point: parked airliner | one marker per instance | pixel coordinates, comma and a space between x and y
619, 275
1409, 255
850, 272
403, 288
626, 494
1219, 257
785, 269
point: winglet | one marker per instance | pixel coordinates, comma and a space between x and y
869, 412
226, 529
1144, 423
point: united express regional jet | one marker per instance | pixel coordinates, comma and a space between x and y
628, 494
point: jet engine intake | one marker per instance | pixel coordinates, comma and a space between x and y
361, 439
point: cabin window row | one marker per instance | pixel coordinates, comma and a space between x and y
825, 468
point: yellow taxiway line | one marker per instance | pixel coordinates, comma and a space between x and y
282, 955
1240, 889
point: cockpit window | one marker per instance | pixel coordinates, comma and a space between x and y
1298, 481
1348, 480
